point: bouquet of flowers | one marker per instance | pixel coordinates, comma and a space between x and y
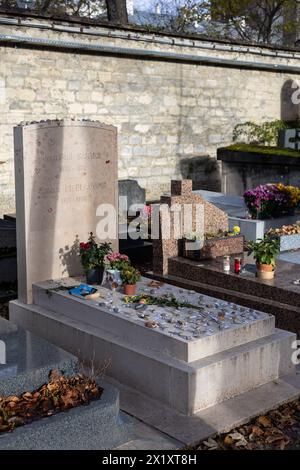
130, 275
92, 255
116, 261
271, 200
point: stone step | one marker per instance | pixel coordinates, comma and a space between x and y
133, 330
187, 387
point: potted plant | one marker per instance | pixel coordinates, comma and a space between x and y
192, 244
130, 276
272, 200
92, 259
213, 245
265, 252
114, 263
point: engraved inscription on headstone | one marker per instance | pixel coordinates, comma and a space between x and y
64, 171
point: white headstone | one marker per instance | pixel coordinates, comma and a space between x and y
64, 170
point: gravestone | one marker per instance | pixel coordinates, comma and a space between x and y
134, 193
211, 220
64, 170
289, 139
28, 360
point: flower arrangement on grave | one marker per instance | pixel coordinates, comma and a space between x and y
265, 253
146, 212
116, 260
93, 258
145, 216
272, 200
223, 234
212, 245
193, 241
167, 300
193, 236
130, 276
293, 229
114, 263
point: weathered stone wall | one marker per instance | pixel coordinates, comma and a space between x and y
170, 115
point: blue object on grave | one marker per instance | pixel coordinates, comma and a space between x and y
82, 291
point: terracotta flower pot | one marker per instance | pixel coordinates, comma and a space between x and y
130, 289
265, 271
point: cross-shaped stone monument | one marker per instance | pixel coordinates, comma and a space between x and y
201, 217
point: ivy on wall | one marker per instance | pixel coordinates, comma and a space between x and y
262, 134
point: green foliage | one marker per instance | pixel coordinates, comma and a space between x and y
265, 251
255, 21
92, 255
168, 301
256, 149
193, 236
264, 134
130, 275
84, 8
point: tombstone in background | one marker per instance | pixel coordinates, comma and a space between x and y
133, 191
63, 170
181, 194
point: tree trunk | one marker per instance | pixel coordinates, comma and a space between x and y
117, 11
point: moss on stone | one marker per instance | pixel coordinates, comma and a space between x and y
259, 149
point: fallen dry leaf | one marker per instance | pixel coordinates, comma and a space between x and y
264, 421
228, 441
256, 430
54, 375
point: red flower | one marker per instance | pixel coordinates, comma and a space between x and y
85, 246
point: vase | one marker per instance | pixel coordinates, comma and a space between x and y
265, 271
130, 289
114, 275
95, 275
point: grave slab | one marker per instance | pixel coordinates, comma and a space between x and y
127, 324
154, 368
29, 359
97, 426
63, 170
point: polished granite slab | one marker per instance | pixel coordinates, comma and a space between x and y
281, 288
26, 359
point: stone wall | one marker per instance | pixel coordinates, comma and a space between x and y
171, 114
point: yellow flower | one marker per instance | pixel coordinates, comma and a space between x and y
236, 229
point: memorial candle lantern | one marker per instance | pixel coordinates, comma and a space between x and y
237, 265
226, 264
